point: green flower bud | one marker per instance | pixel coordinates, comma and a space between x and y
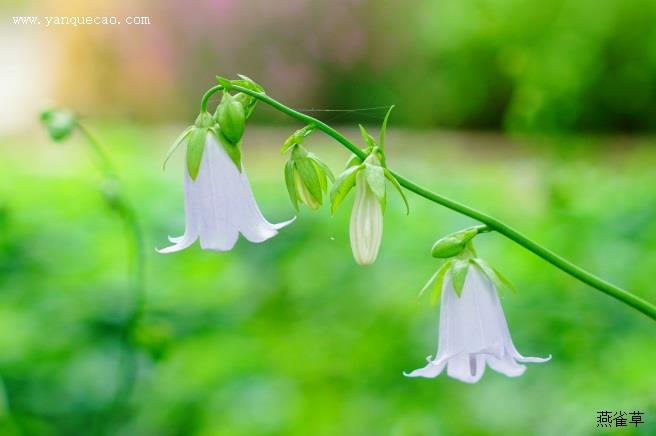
454, 244
306, 178
60, 123
231, 117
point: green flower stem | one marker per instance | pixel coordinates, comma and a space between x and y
137, 265
492, 223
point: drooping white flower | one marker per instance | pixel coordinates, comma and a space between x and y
219, 205
473, 333
366, 229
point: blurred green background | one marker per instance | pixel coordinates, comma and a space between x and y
540, 113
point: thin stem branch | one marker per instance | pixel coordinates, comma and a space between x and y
137, 265
493, 223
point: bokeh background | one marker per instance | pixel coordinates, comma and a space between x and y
540, 113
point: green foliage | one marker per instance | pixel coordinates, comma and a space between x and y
290, 336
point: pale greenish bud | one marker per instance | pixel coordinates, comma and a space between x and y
231, 117
454, 244
60, 123
366, 228
306, 178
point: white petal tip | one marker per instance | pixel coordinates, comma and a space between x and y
534, 359
171, 249
284, 223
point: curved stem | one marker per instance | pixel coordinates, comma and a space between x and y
493, 223
127, 363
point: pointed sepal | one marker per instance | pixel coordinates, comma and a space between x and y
342, 186
233, 150
195, 149
459, 272
309, 177
290, 183
438, 280
368, 139
179, 140
389, 176
499, 280
383, 129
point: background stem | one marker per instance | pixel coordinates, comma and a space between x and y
127, 367
558, 261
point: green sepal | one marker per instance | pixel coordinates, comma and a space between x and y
326, 170
397, 185
289, 181
453, 244
438, 279
499, 281
176, 144
247, 102
247, 82
459, 274
226, 83
296, 138
231, 118
383, 129
375, 176
233, 150
504, 280
309, 177
343, 186
195, 149
368, 139
353, 161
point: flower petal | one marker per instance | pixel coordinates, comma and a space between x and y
431, 370
216, 185
506, 366
466, 367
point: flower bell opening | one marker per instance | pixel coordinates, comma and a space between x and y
473, 334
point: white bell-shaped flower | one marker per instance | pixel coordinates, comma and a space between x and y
219, 205
473, 333
366, 229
